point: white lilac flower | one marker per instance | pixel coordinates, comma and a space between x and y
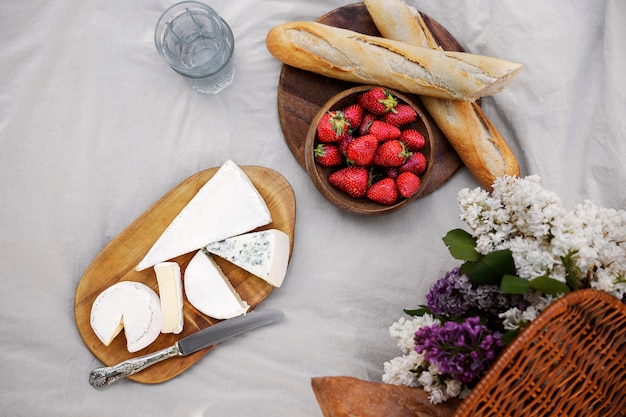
532, 257
436, 394
426, 379
605, 251
479, 211
430, 384
401, 370
511, 318
514, 318
440, 388
404, 330
568, 235
454, 388
545, 238
604, 280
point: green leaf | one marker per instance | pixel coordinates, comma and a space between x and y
508, 336
462, 245
491, 268
418, 311
548, 285
512, 284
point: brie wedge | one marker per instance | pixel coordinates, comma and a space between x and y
171, 294
264, 254
133, 306
208, 289
227, 205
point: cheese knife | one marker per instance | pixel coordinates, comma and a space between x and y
224, 330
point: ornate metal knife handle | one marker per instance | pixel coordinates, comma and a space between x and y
103, 377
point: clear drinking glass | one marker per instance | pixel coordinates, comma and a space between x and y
198, 44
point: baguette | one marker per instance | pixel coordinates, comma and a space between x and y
344, 396
355, 57
477, 142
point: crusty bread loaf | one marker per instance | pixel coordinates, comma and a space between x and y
479, 144
355, 57
342, 396
396, 20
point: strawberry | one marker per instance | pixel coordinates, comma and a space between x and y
400, 115
391, 172
368, 118
352, 180
391, 153
416, 163
331, 126
383, 191
344, 142
353, 114
413, 139
327, 155
361, 150
383, 131
377, 101
408, 183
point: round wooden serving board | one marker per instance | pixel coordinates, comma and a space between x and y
302, 93
116, 262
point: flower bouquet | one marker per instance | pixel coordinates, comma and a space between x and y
523, 251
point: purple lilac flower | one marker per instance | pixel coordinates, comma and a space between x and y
463, 350
454, 295
447, 296
490, 299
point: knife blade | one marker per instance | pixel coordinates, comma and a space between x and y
102, 377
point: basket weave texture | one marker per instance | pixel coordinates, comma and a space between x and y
569, 361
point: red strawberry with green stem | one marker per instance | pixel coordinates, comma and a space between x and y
327, 155
408, 183
383, 131
391, 153
400, 115
413, 139
352, 180
377, 101
361, 150
354, 115
383, 191
331, 126
416, 163
368, 118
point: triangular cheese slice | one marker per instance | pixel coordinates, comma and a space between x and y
208, 289
264, 254
227, 205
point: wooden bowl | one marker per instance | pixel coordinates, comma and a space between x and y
319, 174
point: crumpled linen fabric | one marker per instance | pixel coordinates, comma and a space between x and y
94, 128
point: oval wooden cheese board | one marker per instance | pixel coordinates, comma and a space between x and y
116, 262
302, 93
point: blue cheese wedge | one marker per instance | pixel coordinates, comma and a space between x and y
171, 294
227, 205
131, 306
264, 254
208, 289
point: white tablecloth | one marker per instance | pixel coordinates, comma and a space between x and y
94, 128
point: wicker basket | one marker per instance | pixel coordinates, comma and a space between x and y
570, 361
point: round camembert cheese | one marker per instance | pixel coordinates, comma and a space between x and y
131, 306
208, 289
